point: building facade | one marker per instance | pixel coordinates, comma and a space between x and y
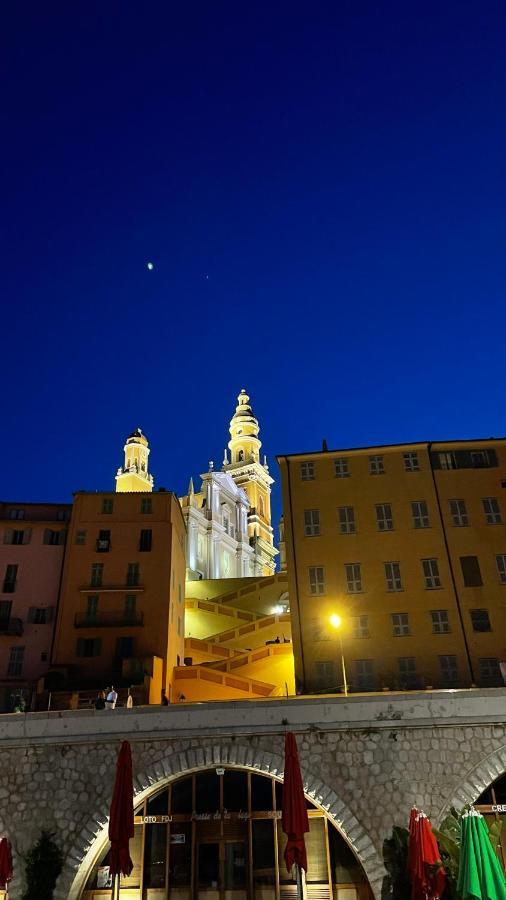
121, 615
406, 546
32, 540
229, 532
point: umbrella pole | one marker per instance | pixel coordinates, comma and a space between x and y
298, 875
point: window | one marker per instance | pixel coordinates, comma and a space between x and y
459, 513
449, 670
316, 580
492, 511
407, 672
133, 574
145, 540
347, 520
307, 471
384, 518
400, 624
361, 626
80, 538
471, 571
16, 514
318, 633
43, 656
420, 514
411, 463
63, 515
480, 620
130, 606
311, 522
431, 574
447, 460
364, 675
501, 567
325, 673
341, 469
88, 647
479, 459
54, 538
393, 576
146, 505
39, 615
490, 671
107, 505
11, 574
103, 541
376, 466
124, 647
5, 611
440, 623
97, 571
17, 536
92, 607
15, 665
353, 578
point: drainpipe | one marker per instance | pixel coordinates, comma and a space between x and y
296, 598
450, 565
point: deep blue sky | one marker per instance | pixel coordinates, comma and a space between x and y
336, 169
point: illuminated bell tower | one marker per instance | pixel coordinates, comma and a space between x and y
253, 477
134, 475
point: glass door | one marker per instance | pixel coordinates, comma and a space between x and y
235, 870
208, 871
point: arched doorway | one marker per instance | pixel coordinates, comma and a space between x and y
492, 805
216, 835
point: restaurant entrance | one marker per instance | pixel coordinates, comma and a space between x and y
217, 835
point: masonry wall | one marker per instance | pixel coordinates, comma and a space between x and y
365, 761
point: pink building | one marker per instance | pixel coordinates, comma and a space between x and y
32, 542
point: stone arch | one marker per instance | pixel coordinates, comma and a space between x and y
93, 836
477, 780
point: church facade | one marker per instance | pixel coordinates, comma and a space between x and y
229, 532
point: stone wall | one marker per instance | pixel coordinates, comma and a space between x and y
365, 761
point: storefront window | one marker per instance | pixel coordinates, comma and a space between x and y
218, 833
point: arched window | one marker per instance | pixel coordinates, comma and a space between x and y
240, 456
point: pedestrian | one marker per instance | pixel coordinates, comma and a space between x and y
110, 700
130, 700
100, 701
181, 698
165, 702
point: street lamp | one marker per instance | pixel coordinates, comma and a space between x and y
336, 623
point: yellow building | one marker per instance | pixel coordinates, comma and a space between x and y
121, 611
134, 475
238, 640
406, 544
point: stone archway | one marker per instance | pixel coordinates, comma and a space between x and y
93, 836
477, 780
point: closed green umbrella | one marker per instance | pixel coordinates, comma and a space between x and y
480, 873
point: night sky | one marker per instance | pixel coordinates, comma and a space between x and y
322, 190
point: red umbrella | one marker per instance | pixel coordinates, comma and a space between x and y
5, 863
121, 816
427, 882
294, 818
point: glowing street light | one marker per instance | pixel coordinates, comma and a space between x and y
336, 623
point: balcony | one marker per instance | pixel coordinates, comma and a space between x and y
103, 546
109, 619
13, 627
124, 588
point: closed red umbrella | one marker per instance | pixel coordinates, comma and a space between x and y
5, 863
121, 816
427, 881
294, 818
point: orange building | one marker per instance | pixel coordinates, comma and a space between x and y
32, 538
121, 615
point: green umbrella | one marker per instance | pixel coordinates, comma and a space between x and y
480, 873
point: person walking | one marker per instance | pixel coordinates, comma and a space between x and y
110, 701
130, 700
165, 701
100, 701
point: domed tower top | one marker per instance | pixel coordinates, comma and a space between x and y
244, 444
134, 475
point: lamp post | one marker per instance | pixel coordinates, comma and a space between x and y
336, 623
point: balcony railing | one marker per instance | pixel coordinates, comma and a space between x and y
109, 619
124, 588
103, 546
14, 627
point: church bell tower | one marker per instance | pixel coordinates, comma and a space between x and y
134, 475
253, 477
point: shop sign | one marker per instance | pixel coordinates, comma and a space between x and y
499, 808
152, 820
104, 878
